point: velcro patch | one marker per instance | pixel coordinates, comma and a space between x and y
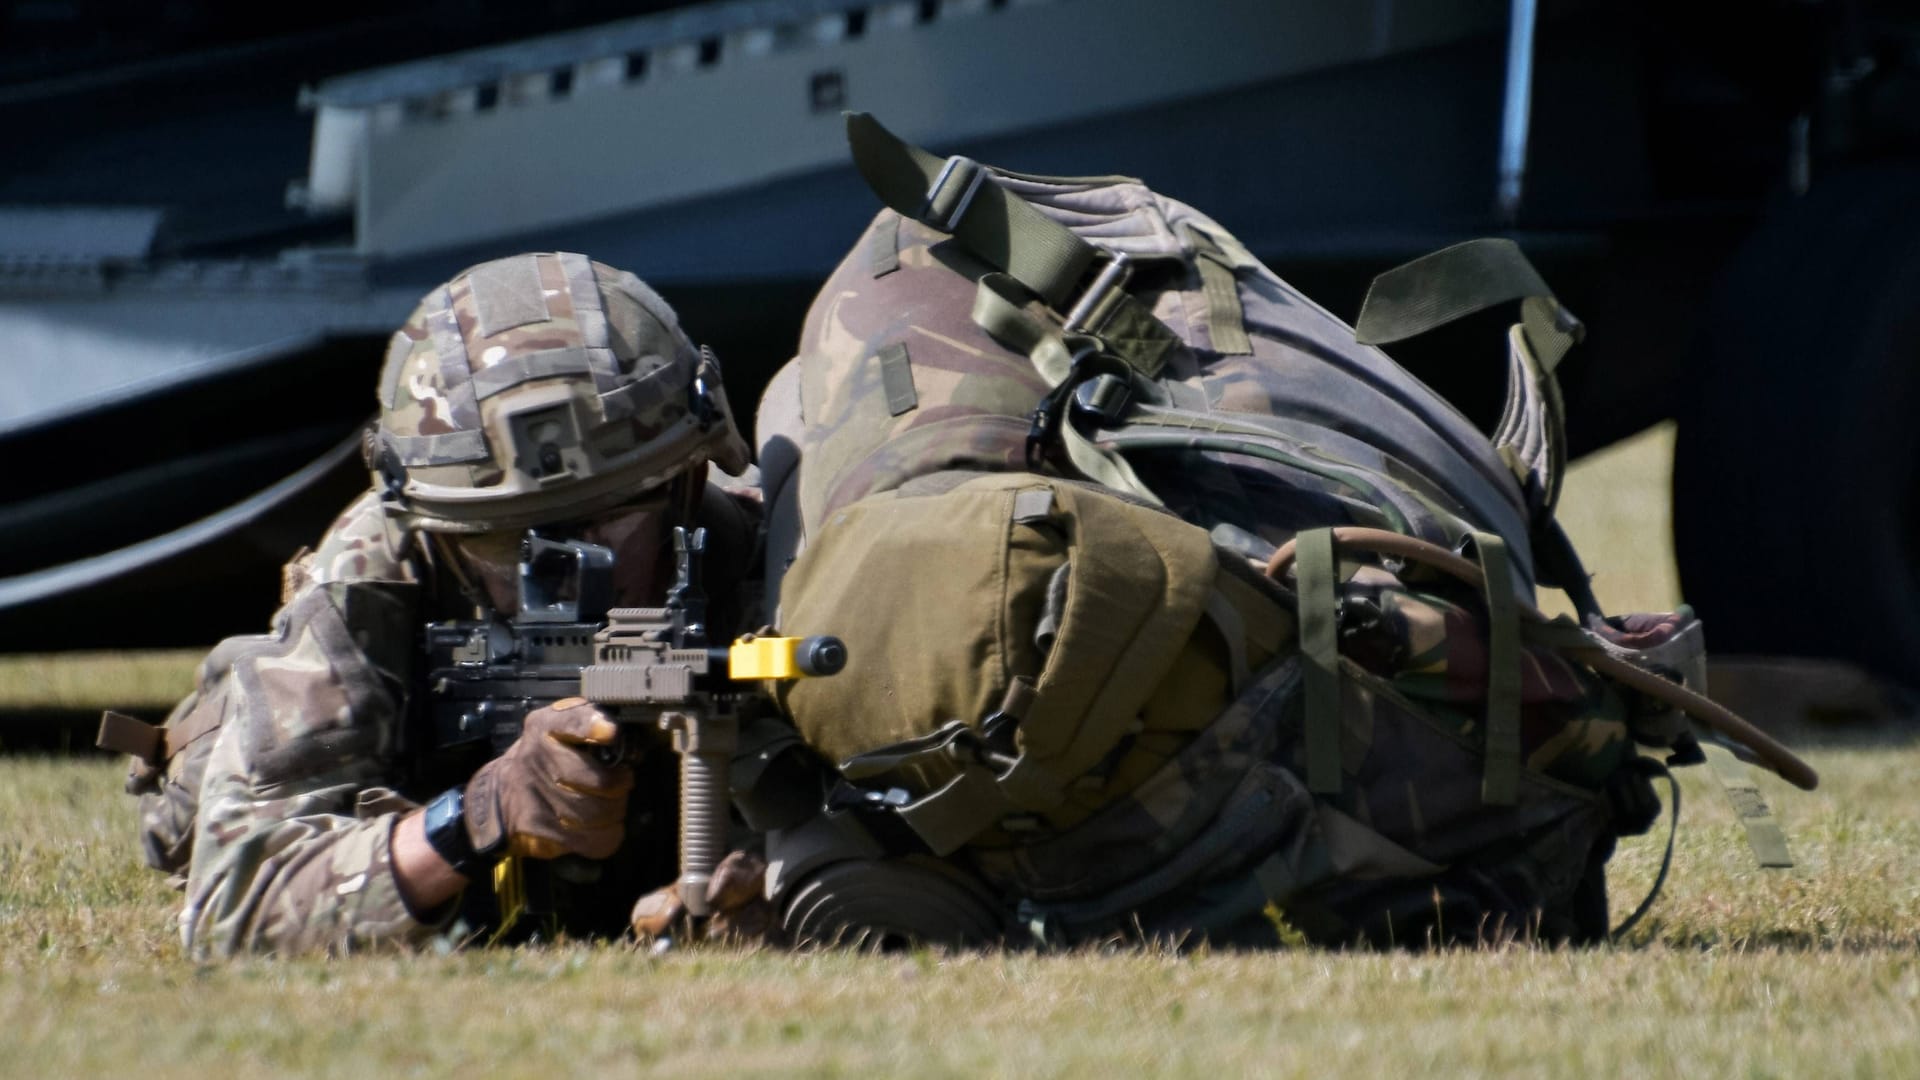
507, 293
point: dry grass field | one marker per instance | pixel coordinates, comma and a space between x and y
1738, 972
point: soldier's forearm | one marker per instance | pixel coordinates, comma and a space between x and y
313, 884
426, 880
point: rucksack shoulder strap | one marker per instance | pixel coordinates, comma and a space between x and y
1470, 277
958, 196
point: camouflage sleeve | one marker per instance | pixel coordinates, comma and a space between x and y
291, 850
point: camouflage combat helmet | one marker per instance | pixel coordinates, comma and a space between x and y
539, 388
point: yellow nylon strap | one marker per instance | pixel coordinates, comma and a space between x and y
510, 890
1317, 574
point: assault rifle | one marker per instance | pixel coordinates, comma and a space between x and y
650, 668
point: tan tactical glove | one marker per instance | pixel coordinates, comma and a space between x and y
548, 795
737, 893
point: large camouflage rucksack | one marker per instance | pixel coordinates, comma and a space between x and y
1170, 605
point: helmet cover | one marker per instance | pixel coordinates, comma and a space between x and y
539, 388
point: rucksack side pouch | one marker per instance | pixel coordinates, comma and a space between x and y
943, 602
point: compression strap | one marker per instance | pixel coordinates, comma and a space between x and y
959, 196
1317, 578
1501, 784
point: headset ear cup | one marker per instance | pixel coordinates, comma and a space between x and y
890, 904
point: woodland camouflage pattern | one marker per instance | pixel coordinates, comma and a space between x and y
1365, 434
1434, 650
1341, 436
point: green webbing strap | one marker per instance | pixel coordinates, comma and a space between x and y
1316, 575
1104, 467
871, 763
885, 252
1559, 632
1554, 552
957, 196
996, 225
896, 379
1002, 317
968, 805
1764, 834
1501, 784
1130, 331
1226, 319
1224, 433
997, 310
1552, 330
1457, 281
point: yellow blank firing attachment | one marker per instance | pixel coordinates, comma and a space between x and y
785, 657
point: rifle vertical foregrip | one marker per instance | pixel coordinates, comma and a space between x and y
706, 745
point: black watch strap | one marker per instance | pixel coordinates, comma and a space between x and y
446, 828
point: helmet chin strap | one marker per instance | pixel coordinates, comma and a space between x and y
688, 489
440, 550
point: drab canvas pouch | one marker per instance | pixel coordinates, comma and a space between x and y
944, 603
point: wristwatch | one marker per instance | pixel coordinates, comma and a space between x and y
446, 827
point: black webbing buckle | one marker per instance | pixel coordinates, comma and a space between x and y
1104, 398
1044, 425
951, 193
1044, 428
700, 393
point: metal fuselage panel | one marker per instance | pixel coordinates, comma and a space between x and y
438, 170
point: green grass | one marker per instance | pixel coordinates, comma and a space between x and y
1617, 508
97, 680
1738, 971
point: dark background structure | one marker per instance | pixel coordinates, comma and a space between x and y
1726, 192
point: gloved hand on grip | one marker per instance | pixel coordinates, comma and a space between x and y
741, 910
549, 795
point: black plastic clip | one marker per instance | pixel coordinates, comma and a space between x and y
1088, 364
1104, 397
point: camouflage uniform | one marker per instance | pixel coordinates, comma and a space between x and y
300, 783
294, 813
292, 759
